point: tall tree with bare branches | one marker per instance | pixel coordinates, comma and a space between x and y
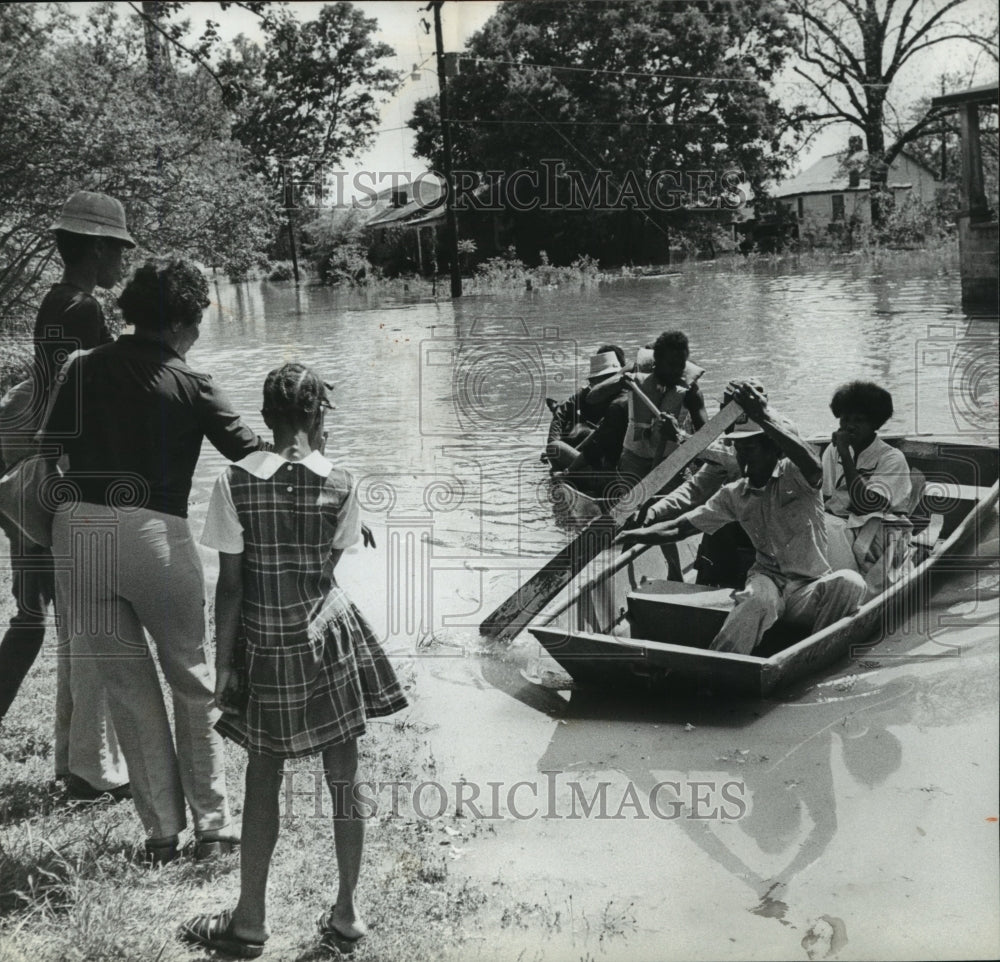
854, 54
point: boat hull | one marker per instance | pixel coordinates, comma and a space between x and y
587, 630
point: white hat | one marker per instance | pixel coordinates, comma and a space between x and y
744, 428
603, 366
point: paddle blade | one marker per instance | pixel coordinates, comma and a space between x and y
522, 606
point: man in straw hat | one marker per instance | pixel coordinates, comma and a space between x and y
575, 419
777, 501
91, 237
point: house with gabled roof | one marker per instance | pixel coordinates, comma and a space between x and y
829, 197
836, 189
406, 233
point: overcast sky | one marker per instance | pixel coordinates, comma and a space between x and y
400, 26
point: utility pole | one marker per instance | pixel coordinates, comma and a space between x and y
451, 224
288, 183
944, 142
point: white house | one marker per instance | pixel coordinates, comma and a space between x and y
836, 188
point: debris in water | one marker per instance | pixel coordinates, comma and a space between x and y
826, 936
688, 727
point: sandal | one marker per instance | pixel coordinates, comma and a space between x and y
332, 938
216, 932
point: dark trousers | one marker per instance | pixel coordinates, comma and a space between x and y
33, 588
725, 557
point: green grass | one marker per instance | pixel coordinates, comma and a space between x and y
72, 886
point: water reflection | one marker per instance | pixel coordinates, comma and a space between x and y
782, 757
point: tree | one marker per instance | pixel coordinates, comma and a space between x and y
310, 96
78, 109
163, 35
853, 54
626, 88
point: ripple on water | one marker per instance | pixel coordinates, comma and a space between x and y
421, 401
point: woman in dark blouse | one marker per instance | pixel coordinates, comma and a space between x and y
131, 417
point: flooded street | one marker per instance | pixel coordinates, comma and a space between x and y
853, 816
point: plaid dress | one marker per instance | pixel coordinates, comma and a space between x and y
315, 670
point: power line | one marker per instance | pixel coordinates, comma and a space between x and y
708, 124
608, 123
632, 73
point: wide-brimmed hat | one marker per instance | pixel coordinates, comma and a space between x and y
96, 215
742, 431
745, 428
603, 366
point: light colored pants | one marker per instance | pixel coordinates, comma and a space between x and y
878, 552
815, 604
89, 747
133, 569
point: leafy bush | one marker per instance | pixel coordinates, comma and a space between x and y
504, 270
347, 263
80, 109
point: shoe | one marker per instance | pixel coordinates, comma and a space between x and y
210, 849
160, 853
216, 932
80, 790
332, 938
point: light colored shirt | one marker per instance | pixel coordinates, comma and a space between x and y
886, 472
223, 528
712, 475
783, 519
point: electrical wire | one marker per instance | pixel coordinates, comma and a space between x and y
634, 73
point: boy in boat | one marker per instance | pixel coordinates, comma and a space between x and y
673, 389
629, 436
778, 503
866, 487
575, 419
724, 558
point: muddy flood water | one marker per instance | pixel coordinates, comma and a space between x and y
853, 816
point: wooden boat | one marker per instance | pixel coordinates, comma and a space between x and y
572, 504
623, 621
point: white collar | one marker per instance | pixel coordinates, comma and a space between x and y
265, 464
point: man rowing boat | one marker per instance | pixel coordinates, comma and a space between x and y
724, 557
778, 503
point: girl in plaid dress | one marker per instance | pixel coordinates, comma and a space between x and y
313, 668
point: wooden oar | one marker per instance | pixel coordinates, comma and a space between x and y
633, 385
522, 606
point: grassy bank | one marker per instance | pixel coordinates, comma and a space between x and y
72, 885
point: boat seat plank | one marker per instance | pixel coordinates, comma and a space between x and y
678, 613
